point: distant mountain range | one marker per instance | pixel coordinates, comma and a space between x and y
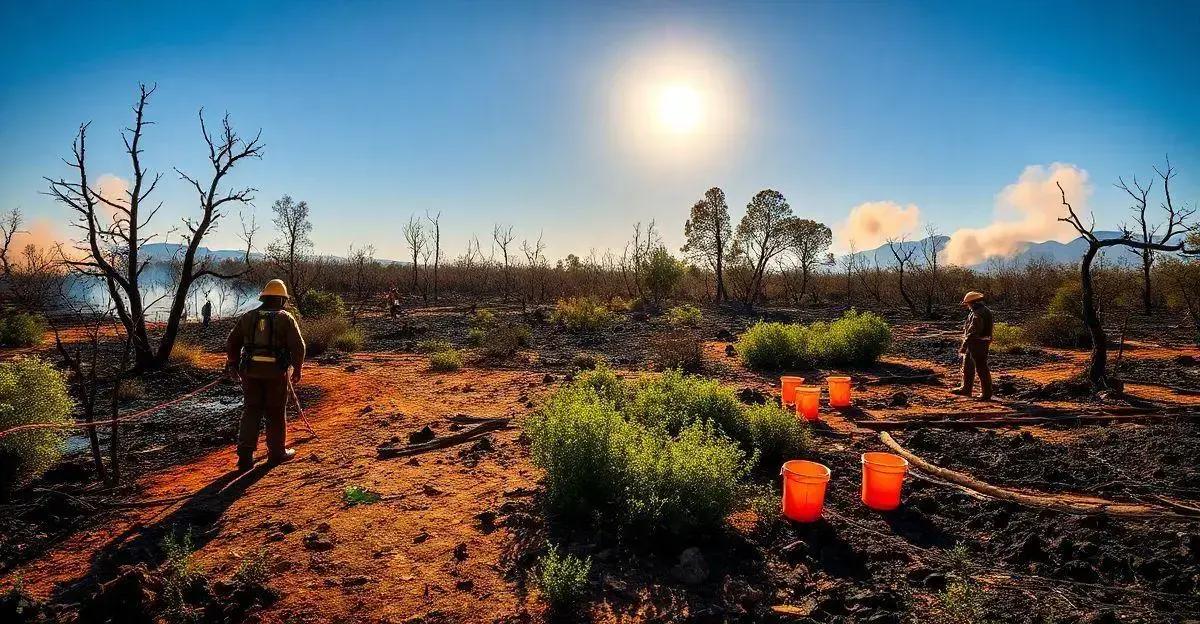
1054, 251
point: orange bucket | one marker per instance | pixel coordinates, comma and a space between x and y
882, 479
803, 489
808, 401
839, 391
787, 388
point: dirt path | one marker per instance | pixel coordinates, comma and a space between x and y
388, 561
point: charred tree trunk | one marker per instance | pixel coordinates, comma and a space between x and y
1098, 365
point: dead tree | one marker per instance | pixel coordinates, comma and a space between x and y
503, 237
903, 254
292, 250
31, 277
414, 236
364, 279
110, 248
1147, 232
1177, 218
435, 224
931, 249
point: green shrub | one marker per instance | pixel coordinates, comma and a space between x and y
254, 569
855, 339
777, 434
321, 335
445, 361
684, 316
1008, 338
770, 346
180, 571
600, 465
1067, 300
318, 304
604, 383
563, 578
483, 317
1057, 330
620, 304
22, 330
662, 273
359, 495
433, 345
582, 314
673, 401
31, 391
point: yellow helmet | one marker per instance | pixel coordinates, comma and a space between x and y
274, 288
974, 295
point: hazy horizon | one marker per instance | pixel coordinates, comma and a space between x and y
874, 118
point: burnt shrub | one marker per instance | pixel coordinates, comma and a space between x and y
1057, 330
679, 351
336, 333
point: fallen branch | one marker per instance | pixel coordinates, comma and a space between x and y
1043, 501
466, 435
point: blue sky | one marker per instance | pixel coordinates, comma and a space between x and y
505, 112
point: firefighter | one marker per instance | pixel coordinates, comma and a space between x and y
977, 339
262, 347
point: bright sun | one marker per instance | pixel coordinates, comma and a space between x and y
680, 108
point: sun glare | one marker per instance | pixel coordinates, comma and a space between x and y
680, 108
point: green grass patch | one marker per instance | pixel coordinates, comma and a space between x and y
359, 495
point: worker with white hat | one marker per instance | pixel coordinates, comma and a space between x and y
264, 345
977, 339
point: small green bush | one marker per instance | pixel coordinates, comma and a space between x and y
1008, 338
318, 304
603, 381
769, 346
673, 401
483, 317
359, 495
31, 391
600, 465
563, 578
254, 569
662, 273
582, 314
855, 339
20, 329
323, 334
180, 571
777, 434
684, 316
445, 361
1057, 330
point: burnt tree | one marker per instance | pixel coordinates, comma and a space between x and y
1176, 217
110, 247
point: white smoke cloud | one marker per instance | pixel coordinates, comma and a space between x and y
871, 224
1026, 211
113, 188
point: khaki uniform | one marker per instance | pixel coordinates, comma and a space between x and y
264, 344
977, 340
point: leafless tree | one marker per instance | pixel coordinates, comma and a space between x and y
903, 253
414, 236
110, 248
364, 279
32, 276
1177, 219
931, 249
292, 251
535, 259
435, 225
1147, 232
503, 237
